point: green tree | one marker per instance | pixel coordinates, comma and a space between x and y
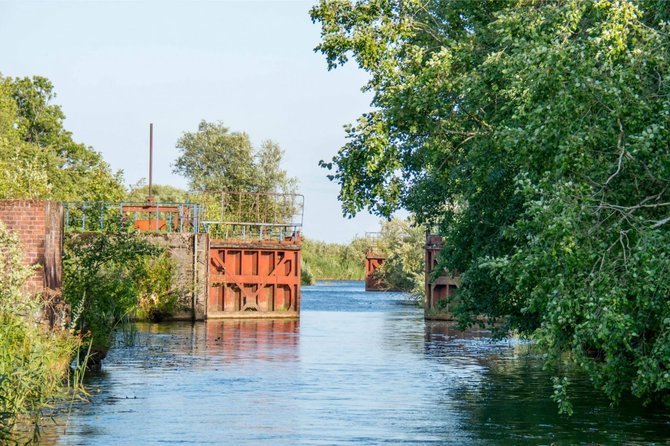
402, 243
534, 135
162, 193
108, 278
38, 156
215, 159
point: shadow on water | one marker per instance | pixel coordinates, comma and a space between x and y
506, 400
357, 368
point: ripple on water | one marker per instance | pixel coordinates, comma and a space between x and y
357, 368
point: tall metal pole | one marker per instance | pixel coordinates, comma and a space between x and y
150, 198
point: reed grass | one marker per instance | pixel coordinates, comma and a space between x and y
34, 360
332, 261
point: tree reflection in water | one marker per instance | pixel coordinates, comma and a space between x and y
502, 392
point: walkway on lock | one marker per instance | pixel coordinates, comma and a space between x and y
253, 244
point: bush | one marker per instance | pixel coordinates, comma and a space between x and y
403, 244
105, 279
157, 294
306, 276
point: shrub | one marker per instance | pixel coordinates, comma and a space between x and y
157, 294
101, 278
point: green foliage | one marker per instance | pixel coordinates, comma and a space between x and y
215, 159
332, 261
403, 244
306, 275
33, 359
561, 395
104, 277
157, 294
33, 365
139, 192
534, 135
38, 157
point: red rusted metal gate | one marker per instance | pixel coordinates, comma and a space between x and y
254, 279
374, 258
372, 262
444, 286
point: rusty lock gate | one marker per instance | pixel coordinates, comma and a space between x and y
374, 257
254, 255
372, 262
253, 280
445, 285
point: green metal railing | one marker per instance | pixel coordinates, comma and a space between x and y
223, 215
150, 217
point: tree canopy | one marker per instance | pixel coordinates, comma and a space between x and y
162, 193
215, 159
402, 243
38, 156
534, 135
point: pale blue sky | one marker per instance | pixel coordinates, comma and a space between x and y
118, 65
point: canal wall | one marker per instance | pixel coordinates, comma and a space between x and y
191, 255
39, 227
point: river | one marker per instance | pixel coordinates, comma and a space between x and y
357, 369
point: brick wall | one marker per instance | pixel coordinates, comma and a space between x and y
39, 226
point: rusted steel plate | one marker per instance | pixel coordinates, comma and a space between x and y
372, 262
442, 287
253, 280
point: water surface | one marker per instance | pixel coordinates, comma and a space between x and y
358, 368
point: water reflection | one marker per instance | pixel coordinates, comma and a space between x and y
501, 390
265, 340
337, 377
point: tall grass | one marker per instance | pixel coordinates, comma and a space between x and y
34, 360
332, 261
33, 363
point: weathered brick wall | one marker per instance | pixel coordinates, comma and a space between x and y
39, 226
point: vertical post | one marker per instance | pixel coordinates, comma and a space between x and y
239, 206
181, 218
150, 198
195, 276
223, 206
